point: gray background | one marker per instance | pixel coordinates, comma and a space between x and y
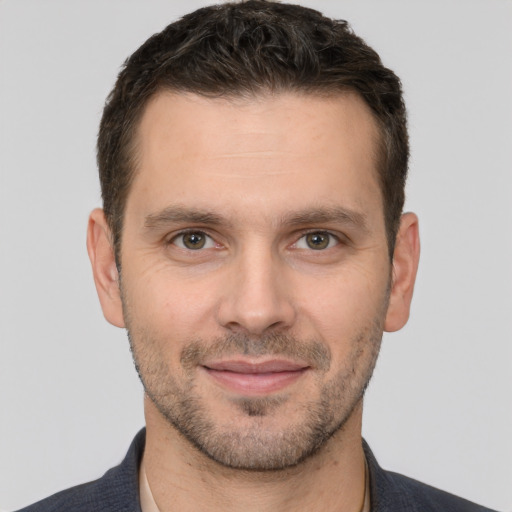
439, 407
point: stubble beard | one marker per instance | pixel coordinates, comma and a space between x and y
255, 446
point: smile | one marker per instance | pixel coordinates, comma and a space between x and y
255, 379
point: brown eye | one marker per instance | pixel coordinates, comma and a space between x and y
317, 240
194, 240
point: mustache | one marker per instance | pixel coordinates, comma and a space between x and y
314, 353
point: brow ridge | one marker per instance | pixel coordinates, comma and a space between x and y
179, 214
309, 216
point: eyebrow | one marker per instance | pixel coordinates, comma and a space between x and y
324, 215
178, 214
310, 216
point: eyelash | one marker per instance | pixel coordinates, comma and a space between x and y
332, 238
182, 234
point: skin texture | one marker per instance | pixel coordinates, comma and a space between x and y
255, 348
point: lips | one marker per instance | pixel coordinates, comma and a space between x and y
255, 378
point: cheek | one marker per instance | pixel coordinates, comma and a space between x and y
343, 305
171, 309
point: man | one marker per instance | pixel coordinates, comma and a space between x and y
253, 160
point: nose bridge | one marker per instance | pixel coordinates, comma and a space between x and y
256, 299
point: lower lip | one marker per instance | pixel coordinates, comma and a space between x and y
255, 383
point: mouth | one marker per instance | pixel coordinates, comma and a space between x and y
255, 378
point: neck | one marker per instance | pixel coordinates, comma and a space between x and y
331, 480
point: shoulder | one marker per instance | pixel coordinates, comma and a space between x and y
392, 492
117, 490
79, 498
428, 498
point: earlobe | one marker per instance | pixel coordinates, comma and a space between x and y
106, 278
405, 265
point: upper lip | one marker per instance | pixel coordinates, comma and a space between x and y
242, 366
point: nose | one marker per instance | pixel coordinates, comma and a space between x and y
257, 298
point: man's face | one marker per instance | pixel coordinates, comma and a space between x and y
255, 271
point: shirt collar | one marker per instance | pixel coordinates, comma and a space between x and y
148, 504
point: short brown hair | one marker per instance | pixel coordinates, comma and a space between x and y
242, 49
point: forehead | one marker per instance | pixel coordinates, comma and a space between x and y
268, 149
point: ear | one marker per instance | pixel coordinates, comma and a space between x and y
405, 265
106, 277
